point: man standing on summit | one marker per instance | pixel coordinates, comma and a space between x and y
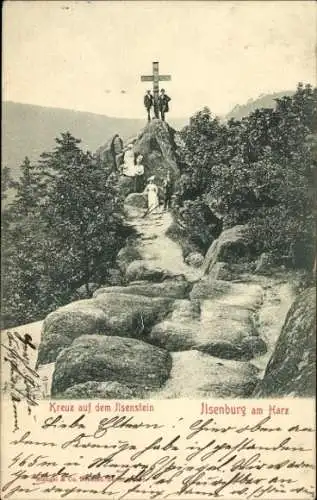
163, 104
148, 103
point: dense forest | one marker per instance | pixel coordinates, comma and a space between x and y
66, 223
260, 170
62, 231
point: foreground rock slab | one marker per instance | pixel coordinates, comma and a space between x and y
198, 375
93, 358
226, 325
225, 338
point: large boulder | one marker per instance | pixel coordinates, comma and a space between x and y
65, 324
110, 313
225, 332
130, 362
129, 315
141, 270
198, 375
157, 146
231, 246
102, 390
291, 370
168, 288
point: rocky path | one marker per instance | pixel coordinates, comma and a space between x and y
220, 337
259, 303
160, 250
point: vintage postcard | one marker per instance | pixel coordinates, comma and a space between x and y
159, 176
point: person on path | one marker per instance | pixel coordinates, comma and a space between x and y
152, 195
148, 103
139, 175
168, 191
116, 149
164, 99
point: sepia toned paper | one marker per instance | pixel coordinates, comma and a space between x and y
90, 56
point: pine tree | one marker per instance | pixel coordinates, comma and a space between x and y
66, 227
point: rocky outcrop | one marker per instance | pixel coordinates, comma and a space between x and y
169, 289
102, 390
156, 145
231, 246
130, 362
291, 370
198, 375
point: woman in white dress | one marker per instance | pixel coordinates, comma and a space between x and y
128, 167
152, 195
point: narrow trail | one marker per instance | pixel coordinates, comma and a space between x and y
156, 247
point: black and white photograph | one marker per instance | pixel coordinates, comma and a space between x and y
159, 170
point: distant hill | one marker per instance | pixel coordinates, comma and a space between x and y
264, 101
28, 130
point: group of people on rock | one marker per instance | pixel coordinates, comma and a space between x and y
133, 167
130, 164
160, 104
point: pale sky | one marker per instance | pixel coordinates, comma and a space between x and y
219, 53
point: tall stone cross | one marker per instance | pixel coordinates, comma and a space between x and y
156, 78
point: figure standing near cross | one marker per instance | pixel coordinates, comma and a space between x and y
159, 102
